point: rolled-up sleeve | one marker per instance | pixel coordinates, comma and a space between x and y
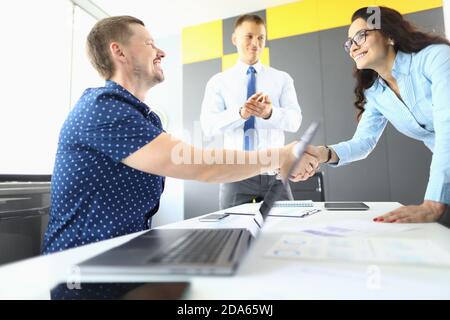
119, 131
437, 69
368, 132
288, 115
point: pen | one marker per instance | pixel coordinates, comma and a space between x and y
239, 214
308, 213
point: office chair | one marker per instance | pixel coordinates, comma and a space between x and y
311, 189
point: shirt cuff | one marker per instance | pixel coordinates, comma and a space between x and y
275, 118
232, 116
343, 152
229, 119
438, 190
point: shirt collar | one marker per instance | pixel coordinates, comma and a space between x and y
402, 63
243, 67
402, 66
135, 102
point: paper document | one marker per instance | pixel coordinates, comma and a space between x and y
347, 228
376, 250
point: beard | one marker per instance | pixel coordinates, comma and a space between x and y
150, 77
159, 76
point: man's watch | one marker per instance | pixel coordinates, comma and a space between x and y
269, 115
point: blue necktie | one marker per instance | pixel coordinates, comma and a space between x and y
249, 125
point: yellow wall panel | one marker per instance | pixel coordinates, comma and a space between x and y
408, 6
292, 19
230, 60
314, 15
202, 42
265, 57
333, 14
205, 41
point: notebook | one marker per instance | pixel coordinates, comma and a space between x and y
294, 204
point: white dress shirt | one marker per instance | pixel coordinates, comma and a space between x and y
226, 93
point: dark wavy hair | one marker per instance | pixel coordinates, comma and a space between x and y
406, 38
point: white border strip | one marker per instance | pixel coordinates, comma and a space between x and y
91, 8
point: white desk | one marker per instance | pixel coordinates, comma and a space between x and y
259, 277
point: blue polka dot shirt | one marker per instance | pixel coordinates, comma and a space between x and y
94, 196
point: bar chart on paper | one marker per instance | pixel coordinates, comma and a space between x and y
357, 249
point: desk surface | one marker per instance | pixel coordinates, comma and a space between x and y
259, 277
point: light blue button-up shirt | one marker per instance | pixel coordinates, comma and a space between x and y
424, 82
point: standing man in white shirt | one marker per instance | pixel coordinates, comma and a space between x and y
251, 105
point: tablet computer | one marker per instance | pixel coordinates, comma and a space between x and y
345, 206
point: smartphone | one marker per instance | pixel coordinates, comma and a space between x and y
122, 291
345, 206
214, 217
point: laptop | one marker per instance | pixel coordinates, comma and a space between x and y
191, 251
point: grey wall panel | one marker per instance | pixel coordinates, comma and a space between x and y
195, 77
364, 180
409, 166
429, 20
199, 198
300, 57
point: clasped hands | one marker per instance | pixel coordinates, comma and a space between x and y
305, 169
258, 105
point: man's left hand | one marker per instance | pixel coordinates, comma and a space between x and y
428, 211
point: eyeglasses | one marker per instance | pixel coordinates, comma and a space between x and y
358, 39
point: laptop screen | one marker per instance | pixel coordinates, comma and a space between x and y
276, 189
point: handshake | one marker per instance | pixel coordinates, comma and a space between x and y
309, 163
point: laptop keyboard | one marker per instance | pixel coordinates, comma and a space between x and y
197, 246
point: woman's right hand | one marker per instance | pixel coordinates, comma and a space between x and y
320, 152
305, 169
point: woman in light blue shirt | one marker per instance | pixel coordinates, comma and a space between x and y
403, 76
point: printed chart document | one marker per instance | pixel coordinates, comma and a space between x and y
356, 249
347, 228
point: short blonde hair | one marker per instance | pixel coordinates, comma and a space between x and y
102, 34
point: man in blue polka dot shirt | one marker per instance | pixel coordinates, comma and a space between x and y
113, 153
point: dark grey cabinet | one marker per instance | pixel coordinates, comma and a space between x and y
24, 209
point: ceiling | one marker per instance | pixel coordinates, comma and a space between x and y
169, 17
